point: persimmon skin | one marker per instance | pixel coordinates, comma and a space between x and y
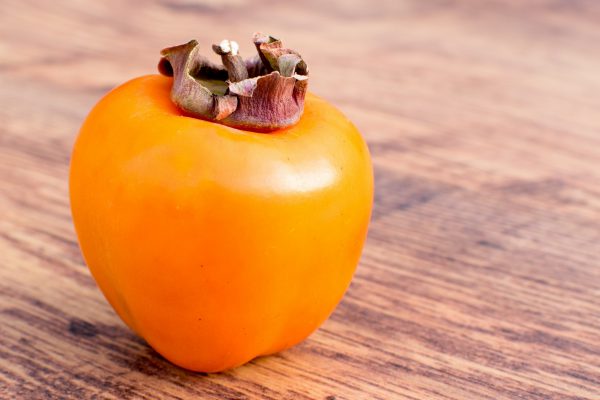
218, 245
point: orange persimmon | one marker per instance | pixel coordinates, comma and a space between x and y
216, 244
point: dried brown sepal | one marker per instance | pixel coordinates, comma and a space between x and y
273, 55
196, 82
263, 93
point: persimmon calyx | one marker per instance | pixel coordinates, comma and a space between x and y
262, 93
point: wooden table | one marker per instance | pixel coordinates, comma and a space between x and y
481, 274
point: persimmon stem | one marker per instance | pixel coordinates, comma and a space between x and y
236, 67
263, 93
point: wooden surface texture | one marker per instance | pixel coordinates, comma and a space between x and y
480, 278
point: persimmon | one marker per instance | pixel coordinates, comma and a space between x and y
222, 210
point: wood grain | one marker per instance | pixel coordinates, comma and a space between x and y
481, 275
